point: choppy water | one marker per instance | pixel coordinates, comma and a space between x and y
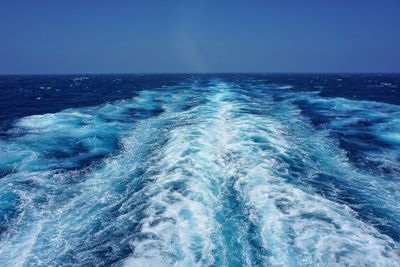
206, 170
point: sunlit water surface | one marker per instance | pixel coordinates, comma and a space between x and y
200, 170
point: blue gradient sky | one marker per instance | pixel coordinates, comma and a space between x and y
199, 36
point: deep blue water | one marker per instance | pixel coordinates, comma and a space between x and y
200, 170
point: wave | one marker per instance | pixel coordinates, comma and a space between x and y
214, 174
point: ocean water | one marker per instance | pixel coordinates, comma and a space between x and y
200, 170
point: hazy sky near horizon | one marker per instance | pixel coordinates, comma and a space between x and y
83, 36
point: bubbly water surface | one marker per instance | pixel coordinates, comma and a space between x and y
215, 170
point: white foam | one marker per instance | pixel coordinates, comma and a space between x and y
189, 159
331, 232
285, 87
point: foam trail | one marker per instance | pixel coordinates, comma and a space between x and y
188, 188
69, 204
210, 173
258, 217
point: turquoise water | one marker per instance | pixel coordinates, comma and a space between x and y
202, 171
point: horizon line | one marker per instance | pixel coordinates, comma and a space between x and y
189, 73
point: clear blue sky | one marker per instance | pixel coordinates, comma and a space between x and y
99, 36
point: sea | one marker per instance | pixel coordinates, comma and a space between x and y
200, 170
